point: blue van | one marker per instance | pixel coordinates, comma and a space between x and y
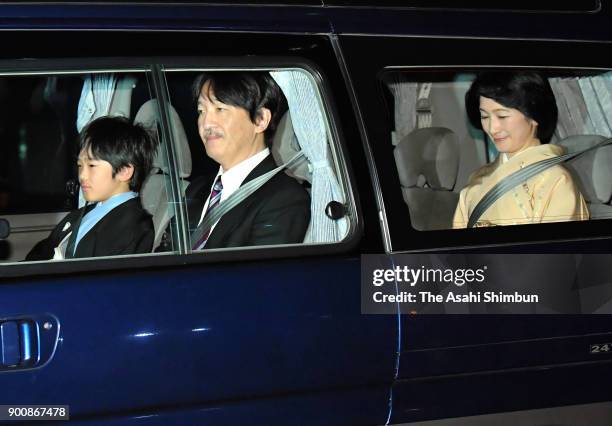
275, 334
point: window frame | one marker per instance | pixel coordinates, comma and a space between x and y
183, 258
499, 235
499, 238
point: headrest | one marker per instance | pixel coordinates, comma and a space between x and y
428, 157
593, 169
285, 146
122, 96
147, 116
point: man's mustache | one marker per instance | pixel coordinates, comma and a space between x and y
211, 132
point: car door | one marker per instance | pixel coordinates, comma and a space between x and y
268, 335
454, 365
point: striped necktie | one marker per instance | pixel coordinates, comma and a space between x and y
215, 198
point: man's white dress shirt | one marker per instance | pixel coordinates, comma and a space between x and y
232, 179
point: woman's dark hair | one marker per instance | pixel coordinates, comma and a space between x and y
121, 143
249, 90
529, 92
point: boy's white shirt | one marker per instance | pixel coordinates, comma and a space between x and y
59, 252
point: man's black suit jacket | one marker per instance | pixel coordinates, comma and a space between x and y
277, 213
126, 229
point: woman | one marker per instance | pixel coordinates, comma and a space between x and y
517, 110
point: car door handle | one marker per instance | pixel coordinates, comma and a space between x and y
27, 342
9, 330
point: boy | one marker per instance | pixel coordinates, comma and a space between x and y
114, 159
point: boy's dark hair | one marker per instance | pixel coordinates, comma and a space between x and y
250, 90
121, 143
527, 91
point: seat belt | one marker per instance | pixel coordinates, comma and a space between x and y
423, 107
520, 176
238, 196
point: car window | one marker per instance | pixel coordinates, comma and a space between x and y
43, 115
316, 202
302, 125
38, 133
446, 162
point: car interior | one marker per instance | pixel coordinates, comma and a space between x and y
436, 148
38, 177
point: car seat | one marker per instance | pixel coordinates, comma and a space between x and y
427, 163
592, 172
285, 146
154, 194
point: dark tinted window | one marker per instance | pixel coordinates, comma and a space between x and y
38, 134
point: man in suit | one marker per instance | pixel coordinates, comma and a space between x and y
114, 159
237, 115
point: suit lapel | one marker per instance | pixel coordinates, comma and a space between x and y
75, 229
234, 217
265, 166
103, 235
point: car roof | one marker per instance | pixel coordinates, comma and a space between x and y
583, 21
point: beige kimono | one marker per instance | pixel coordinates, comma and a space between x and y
550, 196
